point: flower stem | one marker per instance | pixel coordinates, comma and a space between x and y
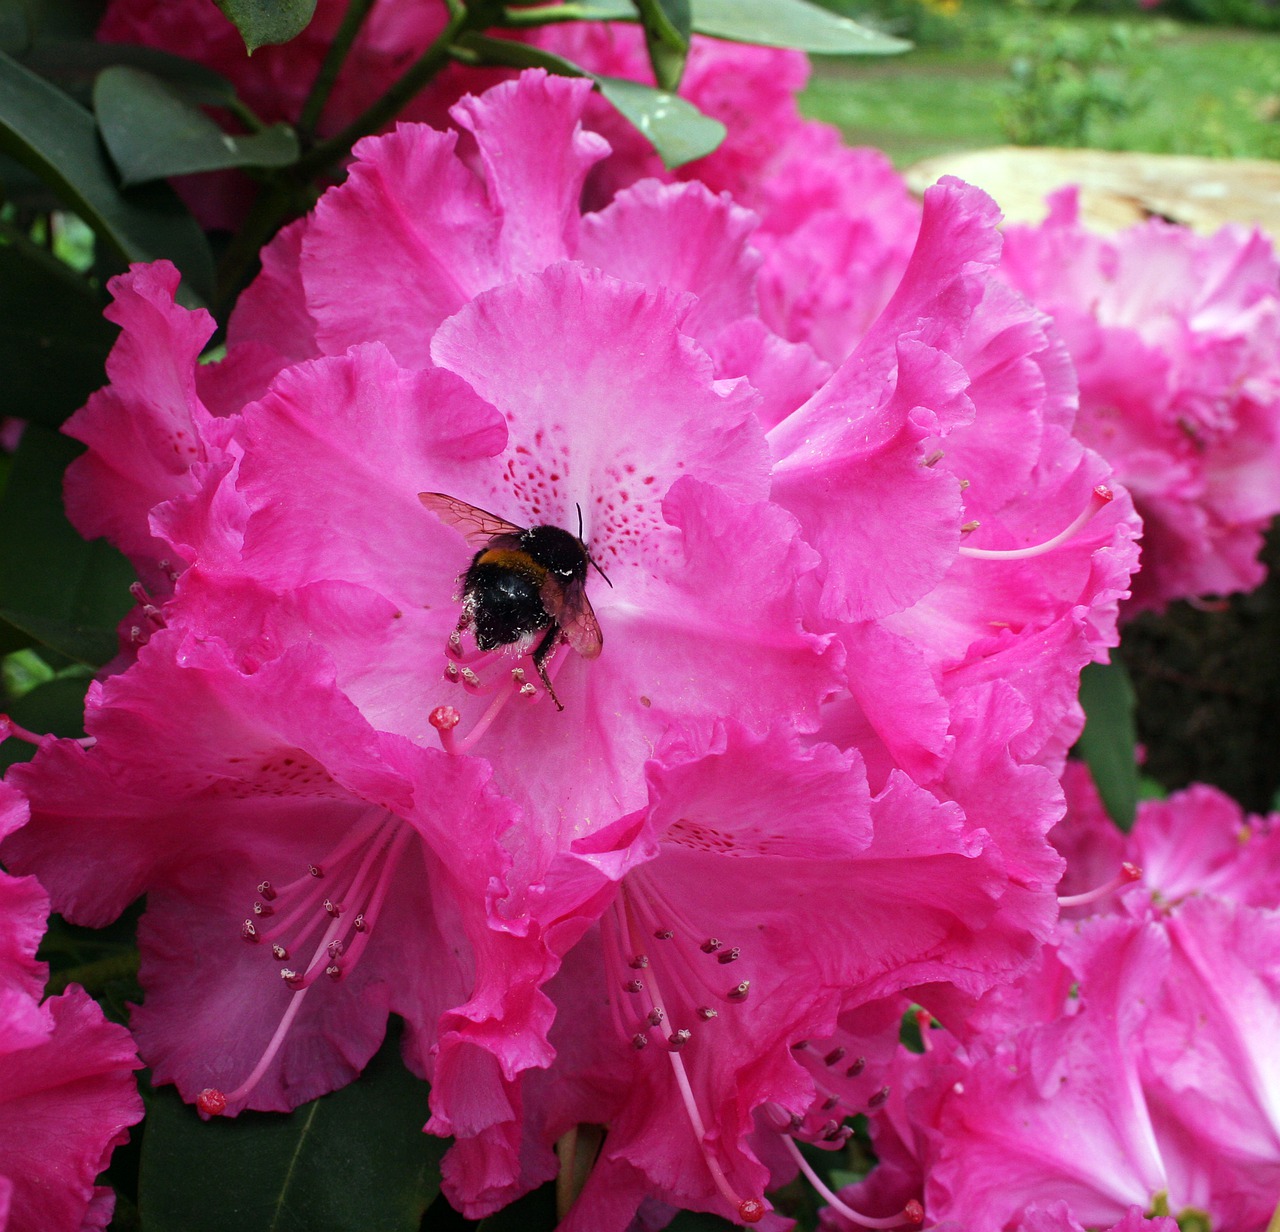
388, 106
334, 59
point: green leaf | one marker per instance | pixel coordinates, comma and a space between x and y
152, 132
57, 139
675, 128
268, 21
1108, 744
352, 1161
74, 66
15, 28
56, 707
668, 26
55, 587
791, 23
53, 338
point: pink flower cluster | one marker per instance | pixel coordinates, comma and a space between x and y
1174, 337
67, 1094
843, 601
1132, 1075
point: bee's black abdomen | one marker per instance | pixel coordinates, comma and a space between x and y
505, 602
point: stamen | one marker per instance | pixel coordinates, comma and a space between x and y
1099, 499
383, 842
445, 718
1128, 874
912, 1214
629, 918
9, 728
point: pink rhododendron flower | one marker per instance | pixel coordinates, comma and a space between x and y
1174, 336
1131, 1067
842, 616
67, 1094
1198, 841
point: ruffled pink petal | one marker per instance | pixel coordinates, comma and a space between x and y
65, 1104
1207, 1063
436, 233
147, 428
679, 237
177, 738
1062, 1110
607, 403
308, 447
535, 156
864, 434
24, 913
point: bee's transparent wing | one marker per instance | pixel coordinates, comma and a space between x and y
476, 526
570, 608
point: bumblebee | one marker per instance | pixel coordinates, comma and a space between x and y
521, 581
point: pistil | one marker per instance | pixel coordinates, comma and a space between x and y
1099, 499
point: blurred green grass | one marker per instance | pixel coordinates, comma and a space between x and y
1188, 89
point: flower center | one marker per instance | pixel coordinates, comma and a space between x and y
319, 924
667, 982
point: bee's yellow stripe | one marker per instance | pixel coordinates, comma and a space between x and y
512, 558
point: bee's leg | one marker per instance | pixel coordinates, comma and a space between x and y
540, 656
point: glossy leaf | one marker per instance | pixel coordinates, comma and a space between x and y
352, 1161
74, 65
53, 338
268, 21
792, 23
152, 132
57, 139
1108, 744
668, 25
676, 128
55, 588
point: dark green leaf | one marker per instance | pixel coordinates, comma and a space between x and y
53, 338
152, 132
535, 1212
791, 23
15, 28
676, 128
1108, 744
268, 21
353, 1161
55, 587
58, 140
668, 26
56, 707
74, 66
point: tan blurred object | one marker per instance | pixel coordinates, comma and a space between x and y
1118, 189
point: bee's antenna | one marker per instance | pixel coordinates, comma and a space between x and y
590, 558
